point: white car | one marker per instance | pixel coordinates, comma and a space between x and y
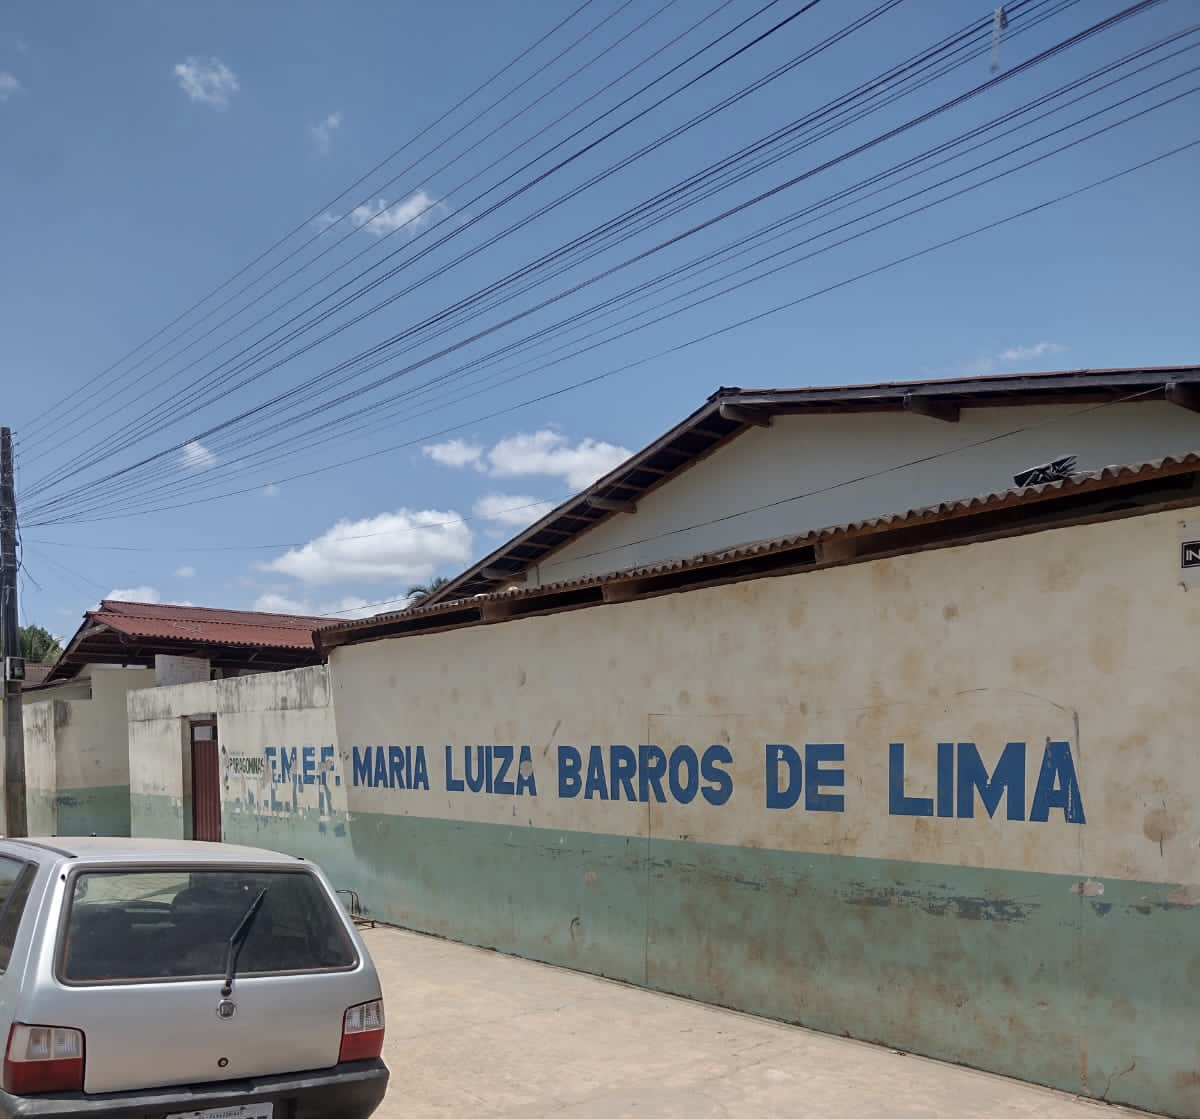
167, 979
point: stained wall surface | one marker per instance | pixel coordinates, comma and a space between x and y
943, 801
255, 716
77, 757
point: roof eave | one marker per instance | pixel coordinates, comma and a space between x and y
577, 503
731, 411
1169, 480
65, 668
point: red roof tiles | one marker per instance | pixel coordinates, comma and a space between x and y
136, 632
204, 624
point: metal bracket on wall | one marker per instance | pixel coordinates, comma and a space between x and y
354, 905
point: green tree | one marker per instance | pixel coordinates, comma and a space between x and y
418, 592
39, 646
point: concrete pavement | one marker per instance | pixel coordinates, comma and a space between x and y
477, 1034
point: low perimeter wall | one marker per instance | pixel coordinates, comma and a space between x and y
77, 758
256, 716
945, 802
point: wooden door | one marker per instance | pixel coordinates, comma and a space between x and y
206, 781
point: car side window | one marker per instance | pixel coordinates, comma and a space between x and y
16, 880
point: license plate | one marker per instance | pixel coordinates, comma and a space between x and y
236, 1111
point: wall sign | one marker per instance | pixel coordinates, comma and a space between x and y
1189, 553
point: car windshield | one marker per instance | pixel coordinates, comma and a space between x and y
140, 925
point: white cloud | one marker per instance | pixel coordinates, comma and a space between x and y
10, 85
549, 452
207, 83
406, 545
381, 218
273, 603
196, 456
349, 606
135, 594
984, 364
1028, 353
322, 133
185, 572
513, 510
543, 452
270, 490
455, 452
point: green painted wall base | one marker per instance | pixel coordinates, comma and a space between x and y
39, 812
102, 811
156, 816
99, 811
1007, 971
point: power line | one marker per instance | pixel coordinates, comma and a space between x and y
82, 580
105, 448
843, 483
352, 361
243, 416
928, 115
52, 411
365, 606
750, 319
920, 192
170, 407
327, 226
777, 503
189, 547
677, 271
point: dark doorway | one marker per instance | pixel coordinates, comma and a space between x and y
206, 780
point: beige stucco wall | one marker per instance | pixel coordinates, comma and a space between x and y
1080, 635
281, 709
77, 755
41, 758
808, 472
94, 742
1049, 945
902, 907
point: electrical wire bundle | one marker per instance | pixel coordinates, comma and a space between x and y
541, 257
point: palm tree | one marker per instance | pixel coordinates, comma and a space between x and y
39, 646
421, 591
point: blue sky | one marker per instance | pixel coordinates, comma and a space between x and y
148, 152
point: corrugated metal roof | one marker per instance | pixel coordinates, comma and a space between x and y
1080, 483
730, 412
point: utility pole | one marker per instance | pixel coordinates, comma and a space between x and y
16, 820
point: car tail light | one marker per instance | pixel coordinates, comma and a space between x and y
43, 1059
362, 1032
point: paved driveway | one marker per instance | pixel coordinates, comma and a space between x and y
476, 1034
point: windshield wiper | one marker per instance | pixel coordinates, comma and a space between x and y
238, 939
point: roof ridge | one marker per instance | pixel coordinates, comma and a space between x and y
139, 607
935, 383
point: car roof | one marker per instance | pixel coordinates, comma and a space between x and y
141, 849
